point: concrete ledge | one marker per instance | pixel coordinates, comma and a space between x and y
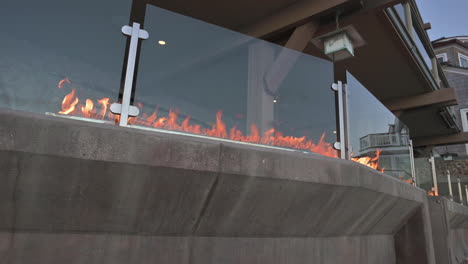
72, 176
43, 248
40, 134
458, 215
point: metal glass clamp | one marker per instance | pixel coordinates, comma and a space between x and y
125, 109
341, 146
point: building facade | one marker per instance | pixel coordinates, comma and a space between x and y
452, 54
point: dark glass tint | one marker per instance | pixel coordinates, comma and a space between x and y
423, 170
376, 133
54, 48
205, 80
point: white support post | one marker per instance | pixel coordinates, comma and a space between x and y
460, 190
125, 109
466, 193
449, 182
413, 170
434, 176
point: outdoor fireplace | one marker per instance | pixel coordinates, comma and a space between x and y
190, 77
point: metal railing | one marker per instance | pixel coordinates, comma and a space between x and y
383, 140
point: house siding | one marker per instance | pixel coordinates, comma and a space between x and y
452, 53
459, 81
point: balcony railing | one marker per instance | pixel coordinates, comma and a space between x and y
189, 77
404, 19
384, 140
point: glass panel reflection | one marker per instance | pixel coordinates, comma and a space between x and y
424, 177
422, 50
62, 56
204, 80
400, 9
376, 136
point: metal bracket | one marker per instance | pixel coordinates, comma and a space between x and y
334, 87
341, 145
116, 109
348, 146
125, 109
337, 145
128, 30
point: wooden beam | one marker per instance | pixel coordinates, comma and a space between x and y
452, 139
287, 58
379, 4
437, 98
301, 11
290, 16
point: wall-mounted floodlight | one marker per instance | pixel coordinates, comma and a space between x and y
339, 44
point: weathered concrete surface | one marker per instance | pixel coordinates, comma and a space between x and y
449, 222
62, 177
46, 248
411, 241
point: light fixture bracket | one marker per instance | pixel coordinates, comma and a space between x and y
339, 44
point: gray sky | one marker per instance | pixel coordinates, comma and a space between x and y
448, 17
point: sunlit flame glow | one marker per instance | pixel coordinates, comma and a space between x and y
87, 110
369, 161
62, 82
69, 102
100, 110
104, 102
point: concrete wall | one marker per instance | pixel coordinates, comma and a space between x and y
449, 222
80, 192
47, 248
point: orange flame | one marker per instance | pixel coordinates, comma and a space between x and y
104, 102
68, 103
218, 129
433, 193
66, 80
370, 162
88, 108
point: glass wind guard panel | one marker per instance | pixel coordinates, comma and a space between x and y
422, 50
62, 57
201, 79
424, 177
377, 138
400, 10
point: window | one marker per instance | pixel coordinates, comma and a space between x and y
463, 60
442, 57
464, 120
